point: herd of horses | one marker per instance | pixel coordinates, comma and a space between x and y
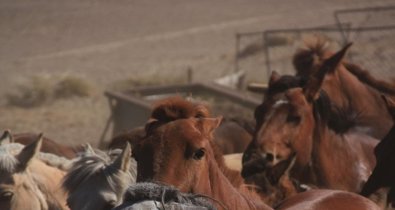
322, 139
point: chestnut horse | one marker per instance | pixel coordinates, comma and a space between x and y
27, 182
48, 145
297, 122
349, 87
179, 150
384, 173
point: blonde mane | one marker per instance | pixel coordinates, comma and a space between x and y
8, 161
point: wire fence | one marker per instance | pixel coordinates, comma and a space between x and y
372, 30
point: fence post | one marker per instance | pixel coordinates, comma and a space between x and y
237, 48
189, 75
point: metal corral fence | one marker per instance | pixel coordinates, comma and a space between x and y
372, 30
132, 108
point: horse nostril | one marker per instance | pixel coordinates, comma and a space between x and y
269, 157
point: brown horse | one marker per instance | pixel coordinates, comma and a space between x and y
48, 145
179, 150
27, 182
298, 122
383, 174
285, 193
132, 137
349, 87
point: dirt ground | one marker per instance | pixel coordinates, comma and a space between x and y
105, 42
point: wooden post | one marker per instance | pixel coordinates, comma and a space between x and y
189, 75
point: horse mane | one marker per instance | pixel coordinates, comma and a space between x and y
174, 108
337, 119
233, 176
316, 50
310, 55
284, 83
51, 200
8, 161
365, 77
90, 165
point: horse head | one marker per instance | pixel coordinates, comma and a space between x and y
285, 122
20, 184
96, 181
176, 153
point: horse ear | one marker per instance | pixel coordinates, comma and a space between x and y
274, 77
6, 138
390, 105
88, 150
122, 162
29, 152
329, 66
208, 125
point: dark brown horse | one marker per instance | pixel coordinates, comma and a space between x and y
48, 145
349, 87
179, 150
384, 173
132, 136
299, 122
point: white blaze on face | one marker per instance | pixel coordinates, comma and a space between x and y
267, 119
273, 110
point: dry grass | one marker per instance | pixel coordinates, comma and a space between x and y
35, 92
73, 86
146, 80
40, 90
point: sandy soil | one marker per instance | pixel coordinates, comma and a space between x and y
107, 41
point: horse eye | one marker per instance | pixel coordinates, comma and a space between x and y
198, 154
5, 196
293, 119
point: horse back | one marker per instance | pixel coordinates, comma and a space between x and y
48, 145
327, 199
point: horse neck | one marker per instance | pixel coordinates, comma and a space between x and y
215, 184
372, 115
48, 180
341, 161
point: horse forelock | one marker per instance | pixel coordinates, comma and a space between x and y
174, 108
83, 169
313, 52
8, 163
88, 167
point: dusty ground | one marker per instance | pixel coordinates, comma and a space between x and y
108, 41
